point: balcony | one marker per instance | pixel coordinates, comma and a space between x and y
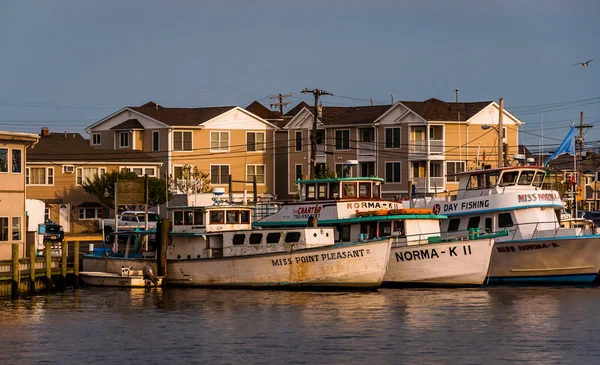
418, 146
181, 186
436, 146
366, 149
420, 183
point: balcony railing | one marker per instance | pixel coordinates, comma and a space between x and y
366, 148
418, 146
436, 146
321, 149
419, 182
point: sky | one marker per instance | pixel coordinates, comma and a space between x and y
67, 64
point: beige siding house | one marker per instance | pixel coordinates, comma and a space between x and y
13, 219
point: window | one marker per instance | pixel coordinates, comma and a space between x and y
182, 141
219, 141
342, 139
177, 172
509, 178
364, 189
453, 225
17, 161
292, 237
474, 222
504, 220
344, 233
88, 173
367, 169
298, 141
334, 190
342, 170
255, 170
310, 191
46, 214
376, 191
123, 139
454, 167
348, 190
3, 228
156, 141
216, 216
392, 172
178, 218
39, 176
239, 239
232, 217
488, 225
16, 228
219, 174
255, 238
298, 173
392, 137
273, 237
198, 217
320, 170
255, 141
526, 177
245, 217
90, 213
322, 189
141, 170
3, 159
538, 180
96, 141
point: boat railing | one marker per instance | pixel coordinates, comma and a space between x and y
439, 237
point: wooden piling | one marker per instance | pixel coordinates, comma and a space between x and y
63, 263
15, 270
164, 229
48, 264
76, 262
32, 253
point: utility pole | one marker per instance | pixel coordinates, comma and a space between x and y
500, 133
313, 136
580, 178
281, 103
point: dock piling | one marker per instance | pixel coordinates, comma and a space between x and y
32, 252
76, 262
63, 263
15, 270
48, 264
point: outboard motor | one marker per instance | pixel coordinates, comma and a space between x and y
148, 274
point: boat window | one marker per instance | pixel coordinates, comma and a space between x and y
385, 228
488, 225
526, 177
474, 222
505, 220
232, 216
245, 217
376, 190
475, 181
491, 179
453, 225
538, 179
344, 233
188, 217
255, 238
509, 178
216, 217
310, 191
178, 217
198, 217
239, 239
399, 227
349, 190
273, 237
292, 237
364, 190
334, 190
322, 191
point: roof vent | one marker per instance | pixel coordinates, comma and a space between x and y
45, 131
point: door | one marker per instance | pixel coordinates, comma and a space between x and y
65, 217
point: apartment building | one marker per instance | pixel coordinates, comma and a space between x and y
13, 216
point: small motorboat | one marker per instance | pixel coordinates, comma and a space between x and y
127, 278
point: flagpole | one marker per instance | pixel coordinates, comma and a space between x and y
477, 159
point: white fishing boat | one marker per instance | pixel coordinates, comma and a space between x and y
420, 256
216, 247
127, 278
538, 249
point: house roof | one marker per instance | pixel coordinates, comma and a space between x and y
262, 111
333, 115
438, 110
129, 124
295, 110
180, 116
66, 147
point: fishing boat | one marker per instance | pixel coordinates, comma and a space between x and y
216, 246
420, 255
538, 249
126, 278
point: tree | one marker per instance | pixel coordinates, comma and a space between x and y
157, 188
193, 181
325, 173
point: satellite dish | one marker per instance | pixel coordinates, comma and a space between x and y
218, 191
352, 162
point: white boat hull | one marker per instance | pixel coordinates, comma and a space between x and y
566, 260
115, 264
459, 263
112, 279
353, 265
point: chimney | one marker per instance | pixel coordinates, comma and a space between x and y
156, 106
392, 99
456, 91
45, 131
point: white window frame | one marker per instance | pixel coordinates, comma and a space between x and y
385, 172
220, 149
79, 174
263, 143
97, 142
210, 174
81, 212
19, 228
156, 148
399, 138
248, 177
453, 177
183, 132
49, 178
12, 156
8, 161
128, 134
335, 140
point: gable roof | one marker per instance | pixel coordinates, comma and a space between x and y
73, 147
129, 124
295, 110
348, 115
185, 117
438, 110
262, 111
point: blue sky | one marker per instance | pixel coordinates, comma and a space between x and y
67, 64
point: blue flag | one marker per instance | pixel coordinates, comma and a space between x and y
567, 146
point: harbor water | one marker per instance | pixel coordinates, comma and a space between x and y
495, 325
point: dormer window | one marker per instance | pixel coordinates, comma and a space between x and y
123, 139
96, 141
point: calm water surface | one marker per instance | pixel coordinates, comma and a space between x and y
392, 326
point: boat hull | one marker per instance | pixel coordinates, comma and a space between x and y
111, 279
573, 260
352, 265
459, 263
111, 264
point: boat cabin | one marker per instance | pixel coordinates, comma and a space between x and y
473, 183
347, 188
213, 218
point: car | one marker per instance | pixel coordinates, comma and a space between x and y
54, 232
